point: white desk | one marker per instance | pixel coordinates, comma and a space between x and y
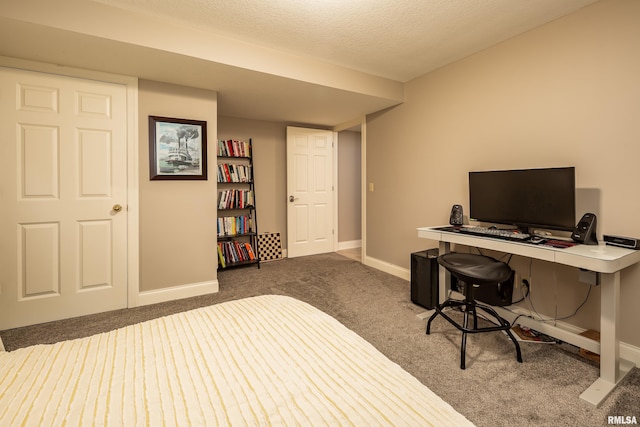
607, 260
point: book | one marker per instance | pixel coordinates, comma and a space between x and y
250, 252
221, 256
227, 174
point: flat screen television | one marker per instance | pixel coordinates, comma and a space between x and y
525, 198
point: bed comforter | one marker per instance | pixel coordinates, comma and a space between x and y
266, 360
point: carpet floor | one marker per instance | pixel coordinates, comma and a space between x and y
494, 390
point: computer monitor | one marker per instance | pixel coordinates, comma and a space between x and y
525, 198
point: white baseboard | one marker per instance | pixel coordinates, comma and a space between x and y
351, 244
560, 324
627, 351
630, 353
177, 292
387, 267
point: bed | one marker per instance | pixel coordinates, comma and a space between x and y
265, 360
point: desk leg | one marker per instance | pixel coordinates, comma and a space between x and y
612, 368
444, 278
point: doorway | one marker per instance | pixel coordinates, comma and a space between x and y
310, 191
350, 192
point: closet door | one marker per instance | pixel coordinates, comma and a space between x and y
63, 184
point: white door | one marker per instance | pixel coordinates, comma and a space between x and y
310, 192
63, 186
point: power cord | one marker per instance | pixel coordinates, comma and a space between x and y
525, 282
541, 318
527, 296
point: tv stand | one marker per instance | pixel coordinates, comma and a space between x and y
606, 260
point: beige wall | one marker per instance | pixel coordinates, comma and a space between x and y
177, 218
349, 186
270, 168
270, 160
566, 94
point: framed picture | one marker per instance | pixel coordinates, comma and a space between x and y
177, 149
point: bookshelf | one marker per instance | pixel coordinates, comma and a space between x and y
237, 230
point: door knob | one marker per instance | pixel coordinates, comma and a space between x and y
117, 208
291, 198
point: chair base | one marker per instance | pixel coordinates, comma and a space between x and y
471, 307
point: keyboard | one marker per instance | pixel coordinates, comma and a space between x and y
497, 233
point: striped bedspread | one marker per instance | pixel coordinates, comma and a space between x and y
267, 360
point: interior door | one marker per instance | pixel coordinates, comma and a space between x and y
63, 185
310, 192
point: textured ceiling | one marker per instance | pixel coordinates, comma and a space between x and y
395, 39
306, 62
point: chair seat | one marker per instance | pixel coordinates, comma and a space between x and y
476, 269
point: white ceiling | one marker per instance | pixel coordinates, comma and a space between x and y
315, 62
395, 39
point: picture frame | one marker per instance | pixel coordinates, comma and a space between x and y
177, 149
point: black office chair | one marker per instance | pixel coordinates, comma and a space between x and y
475, 271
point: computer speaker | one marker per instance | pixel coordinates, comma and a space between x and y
456, 217
585, 231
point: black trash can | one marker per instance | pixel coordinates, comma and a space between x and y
424, 278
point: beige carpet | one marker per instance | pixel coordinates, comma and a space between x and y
494, 390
